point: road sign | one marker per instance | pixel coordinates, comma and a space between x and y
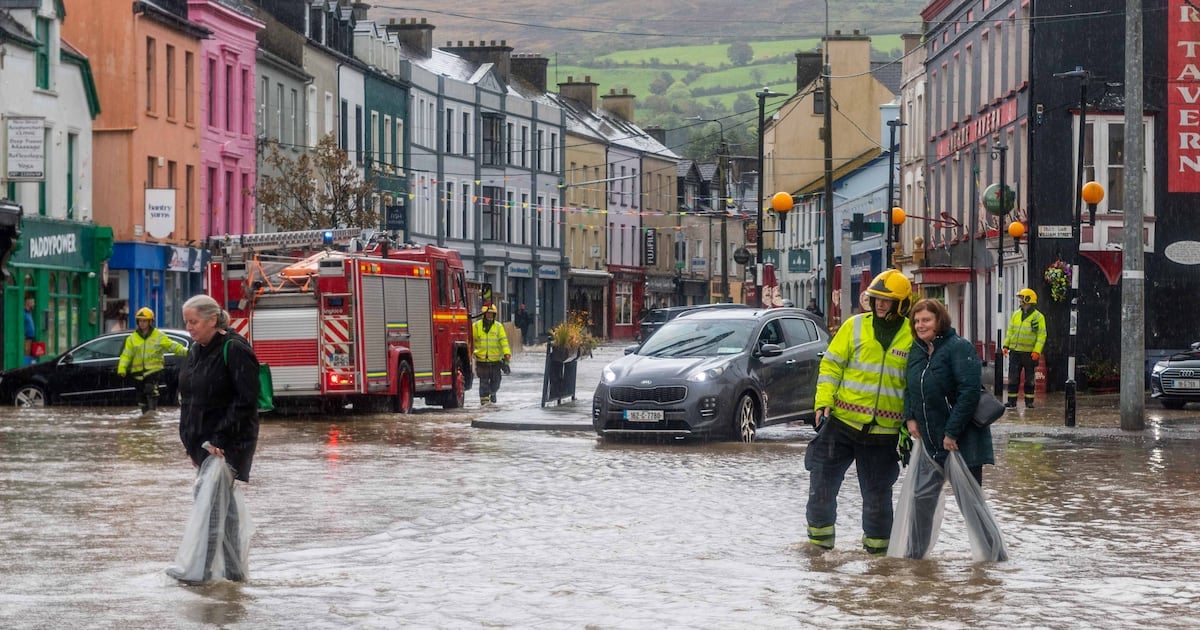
1054, 231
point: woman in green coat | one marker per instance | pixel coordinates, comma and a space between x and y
942, 390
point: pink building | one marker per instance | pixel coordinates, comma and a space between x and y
227, 121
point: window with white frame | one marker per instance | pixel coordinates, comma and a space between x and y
624, 295
1104, 161
448, 147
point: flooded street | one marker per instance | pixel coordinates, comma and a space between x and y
384, 521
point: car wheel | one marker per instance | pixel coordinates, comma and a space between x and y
745, 419
404, 388
30, 396
1171, 403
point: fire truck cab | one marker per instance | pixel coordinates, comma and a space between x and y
339, 326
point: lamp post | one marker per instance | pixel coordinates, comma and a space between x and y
762, 96
722, 163
891, 194
1070, 387
998, 369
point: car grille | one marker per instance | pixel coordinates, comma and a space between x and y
1174, 375
661, 395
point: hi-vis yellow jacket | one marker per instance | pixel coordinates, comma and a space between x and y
861, 381
1026, 333
491, 345
144, 355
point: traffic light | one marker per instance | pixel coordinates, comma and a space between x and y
857, 226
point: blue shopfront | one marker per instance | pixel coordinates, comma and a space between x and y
161, 277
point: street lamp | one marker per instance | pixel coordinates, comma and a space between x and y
721, 165
1084, 76
891, 200
762, 96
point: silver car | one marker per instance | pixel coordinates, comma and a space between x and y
714, 373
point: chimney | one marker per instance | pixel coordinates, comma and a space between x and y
416, 36
531, 68
911, 41
620, 105
358, 11
499, 55
849, 54
808, 68
658, 133
580, 91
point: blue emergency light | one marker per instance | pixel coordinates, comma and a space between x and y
327, 237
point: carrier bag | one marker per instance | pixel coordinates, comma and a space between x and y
216, 539
920, 507
982, 531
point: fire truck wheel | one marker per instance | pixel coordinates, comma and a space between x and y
456, 397
404, 388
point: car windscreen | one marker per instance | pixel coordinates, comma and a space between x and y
687, 337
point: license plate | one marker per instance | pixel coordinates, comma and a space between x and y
1184, 383
651, 415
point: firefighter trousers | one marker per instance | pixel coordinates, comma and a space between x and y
490, 373
827, 459
147, 390
1021, 362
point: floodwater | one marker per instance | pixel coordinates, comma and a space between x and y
384, 522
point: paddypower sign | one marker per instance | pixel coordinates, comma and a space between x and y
50, 243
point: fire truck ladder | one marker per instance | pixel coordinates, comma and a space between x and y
303, 238
337, 345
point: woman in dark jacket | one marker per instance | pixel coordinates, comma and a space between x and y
943, 389
218, 390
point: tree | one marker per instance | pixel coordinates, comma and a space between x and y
318, 189
740, 53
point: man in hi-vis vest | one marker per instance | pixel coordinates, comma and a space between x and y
491, 353
1023, 346
859, 413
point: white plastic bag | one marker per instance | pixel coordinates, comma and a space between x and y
216, 540
982, 530
919, 510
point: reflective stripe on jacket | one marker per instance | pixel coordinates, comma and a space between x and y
1026, 334
144, 355
491, 345
863, 384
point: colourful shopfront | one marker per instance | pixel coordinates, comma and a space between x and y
58, 265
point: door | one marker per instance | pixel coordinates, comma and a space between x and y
773, 374
88, 374
806, 347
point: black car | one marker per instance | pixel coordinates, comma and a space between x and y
87, 375
654, 319
715, 372
1175, 381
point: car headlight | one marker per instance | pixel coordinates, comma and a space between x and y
609, 375
711, 374
1159, 368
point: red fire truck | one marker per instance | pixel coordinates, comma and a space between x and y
337, 327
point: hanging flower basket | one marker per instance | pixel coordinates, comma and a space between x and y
1058, 277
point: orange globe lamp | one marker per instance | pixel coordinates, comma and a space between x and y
782, 202
898, 216
1016, 229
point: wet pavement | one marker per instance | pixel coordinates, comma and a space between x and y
432, 521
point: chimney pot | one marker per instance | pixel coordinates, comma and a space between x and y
856, 31
391, 20
423, 20
837, 32
471, 43
570, 79
625, 90
587, 78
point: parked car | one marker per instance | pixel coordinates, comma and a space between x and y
714, 372
1175, 381
654, 319
87, 375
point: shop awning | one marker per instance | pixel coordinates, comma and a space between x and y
942, 275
